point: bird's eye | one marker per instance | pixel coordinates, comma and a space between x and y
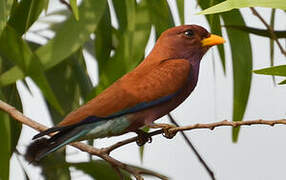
189, 33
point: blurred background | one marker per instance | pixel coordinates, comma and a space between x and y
225, 77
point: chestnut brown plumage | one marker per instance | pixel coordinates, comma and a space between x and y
163, 80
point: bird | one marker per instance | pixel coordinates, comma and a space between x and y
160, 83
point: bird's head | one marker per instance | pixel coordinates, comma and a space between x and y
185, 42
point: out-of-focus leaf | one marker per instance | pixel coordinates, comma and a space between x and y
64, 83
69, 38
215, 24
161, 15
103, 40
275, 70
271, 41
25, 14
11, 76
257, 31
242, 66
5, 7
120, 11
73, 4
282, 82
15, 49
235, 4
55, 167
5, 149
72, 34
181, 10
80, 74
99, 170
11, 96
131, 46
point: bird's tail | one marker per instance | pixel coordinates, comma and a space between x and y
43, 146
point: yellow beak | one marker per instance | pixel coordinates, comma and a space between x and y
212, 40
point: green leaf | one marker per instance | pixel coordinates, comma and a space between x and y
5, 8
73, 4
242, 66
236, 4
282, 82
131, 46
69, 82
72, 34
142, 148
103, 40
181, 10
69, 38
25, 14
54, 166
257, 31
5, 149
215, 24
14, 48
161, 15
275, 70
99, 170
11, 96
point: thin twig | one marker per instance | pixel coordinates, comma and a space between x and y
102, 153
66, 4
13, 112
188, 141
270, 29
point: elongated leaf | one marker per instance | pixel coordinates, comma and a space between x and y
161, 15
55, 167
282, 82
5, 7
72, 34
69, 38
215, 24
181, 10
14, 48
5, 149
130, 49
120, 11
11, 96
235, 4
242, 65
99, 170
275, 70
257, 31
103, 41
73, 4
25, 14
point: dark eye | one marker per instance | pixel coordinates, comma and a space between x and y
189, 33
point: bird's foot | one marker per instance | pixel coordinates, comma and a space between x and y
166, 129
143, 137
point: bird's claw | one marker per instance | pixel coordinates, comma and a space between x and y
167, 133
143, 138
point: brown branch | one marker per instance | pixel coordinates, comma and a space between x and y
270, 29
188, 141
13, 112
103, 153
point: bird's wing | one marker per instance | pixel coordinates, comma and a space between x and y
146, 84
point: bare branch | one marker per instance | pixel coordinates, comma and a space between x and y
104, 152
13, 112
270, 29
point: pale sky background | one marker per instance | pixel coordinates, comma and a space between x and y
260, 151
